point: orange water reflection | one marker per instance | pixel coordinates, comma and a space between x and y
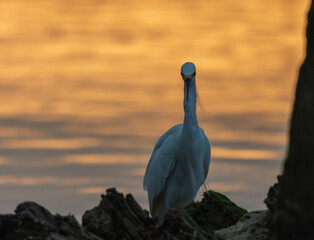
245, 154
87, 88
50, 143
106, 159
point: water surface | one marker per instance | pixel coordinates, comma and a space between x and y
87, 87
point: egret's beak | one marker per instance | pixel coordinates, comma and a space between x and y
187, 79
187, 84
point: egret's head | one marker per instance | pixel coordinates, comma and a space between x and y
188, 72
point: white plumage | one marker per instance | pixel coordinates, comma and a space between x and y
180, 160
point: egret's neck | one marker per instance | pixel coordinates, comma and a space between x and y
190, 119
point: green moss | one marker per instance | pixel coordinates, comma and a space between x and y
215, 211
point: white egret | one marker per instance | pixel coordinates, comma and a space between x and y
180, 160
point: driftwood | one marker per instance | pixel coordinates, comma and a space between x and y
119, 217
33, 221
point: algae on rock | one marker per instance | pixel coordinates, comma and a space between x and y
215, 211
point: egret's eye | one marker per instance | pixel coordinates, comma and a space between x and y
188, 76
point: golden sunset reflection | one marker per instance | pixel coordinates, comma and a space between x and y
230, 188
46, 180
4, 161
91, 190
50, 143
86, 89
244, 154
106, 159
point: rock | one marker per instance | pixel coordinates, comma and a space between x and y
272, 196
33, 221
117, 217
214, 211
252, 226
180, 225
271, 203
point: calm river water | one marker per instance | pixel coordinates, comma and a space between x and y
87, 87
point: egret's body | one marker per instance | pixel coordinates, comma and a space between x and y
180, 160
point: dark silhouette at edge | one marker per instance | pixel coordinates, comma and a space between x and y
294, 215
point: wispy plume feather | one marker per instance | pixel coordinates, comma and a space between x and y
199, 102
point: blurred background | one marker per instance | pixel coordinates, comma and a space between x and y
87, 87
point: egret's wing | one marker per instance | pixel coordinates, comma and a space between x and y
161, 164
161, 141
206, 154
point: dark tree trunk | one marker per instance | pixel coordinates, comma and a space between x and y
294, 217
